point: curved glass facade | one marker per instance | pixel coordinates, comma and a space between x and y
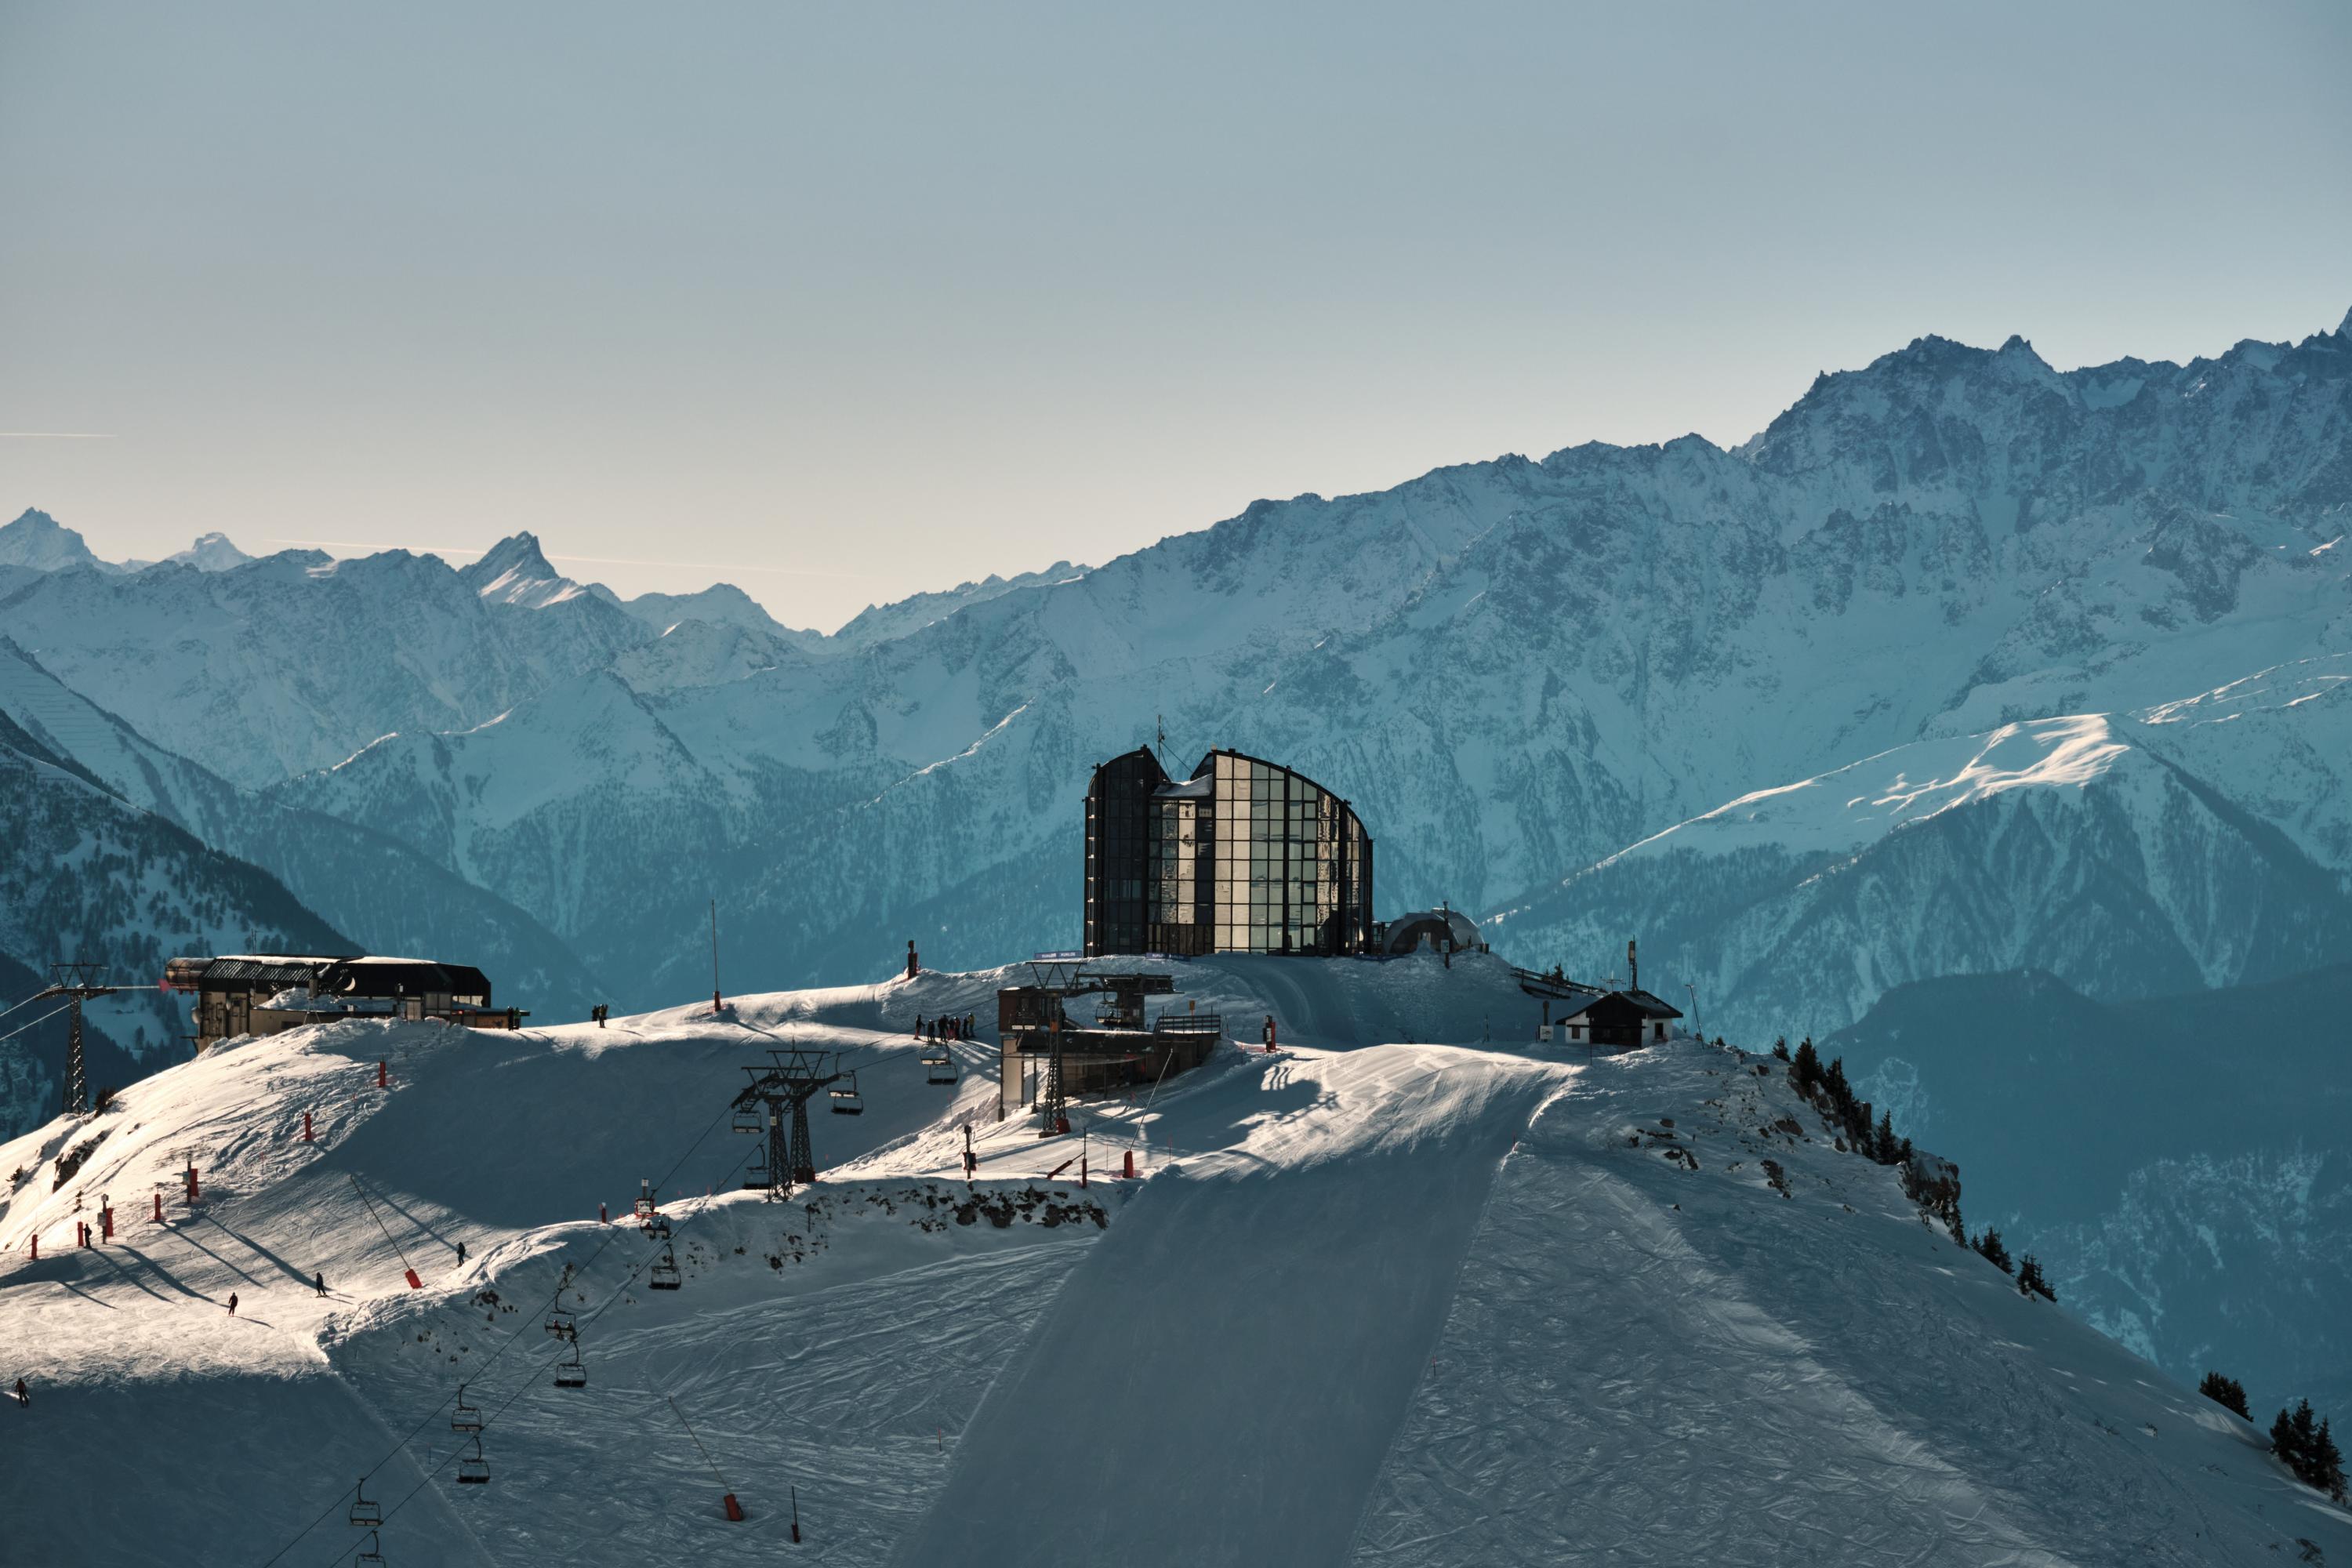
1244, 856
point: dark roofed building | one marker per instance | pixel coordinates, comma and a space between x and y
1625, 1018
263, 994
1245, 856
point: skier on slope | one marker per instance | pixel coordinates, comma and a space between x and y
461, 1253
320, 1281
23, 1395
232, 1303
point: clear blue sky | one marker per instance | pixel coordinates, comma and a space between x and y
845, 302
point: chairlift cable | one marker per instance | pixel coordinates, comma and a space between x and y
554, 1298
698, 1443
490, 1418
354, 1180
42, 1019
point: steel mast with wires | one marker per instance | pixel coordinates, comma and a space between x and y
79, 981
785, 1088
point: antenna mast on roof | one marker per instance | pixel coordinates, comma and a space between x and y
1160, 727
715, 1003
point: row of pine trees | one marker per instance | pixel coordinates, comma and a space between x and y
2303, 1441
1826, 1087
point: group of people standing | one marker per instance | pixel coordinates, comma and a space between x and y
946, 1029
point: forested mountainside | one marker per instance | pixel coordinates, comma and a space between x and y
2180, 1162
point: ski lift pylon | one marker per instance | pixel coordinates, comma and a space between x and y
645, 1209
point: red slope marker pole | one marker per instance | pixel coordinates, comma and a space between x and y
383, 1078
159, 1208
306, 1127
37, 1246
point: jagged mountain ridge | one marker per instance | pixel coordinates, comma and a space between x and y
376, 891
286, 664
1509, 667
86, 875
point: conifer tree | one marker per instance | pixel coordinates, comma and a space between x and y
2226, 1392
2283, 1441
2326, 1464
2032, 1281
1882, 1146
1805, 1069
1994, 1252
1781, 1048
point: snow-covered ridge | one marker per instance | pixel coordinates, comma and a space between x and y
1489, 1305
1856, 804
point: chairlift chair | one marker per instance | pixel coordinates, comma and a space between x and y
755, 1179
369, 1556
572, 1374
665, 1275
941, 1072
466, 1417
846, 1101
562, 1324
934, 1053
748, 1121
657, 1228
366, 1513
474, 1470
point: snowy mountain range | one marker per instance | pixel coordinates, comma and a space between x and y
1965, 665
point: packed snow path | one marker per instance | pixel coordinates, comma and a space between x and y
1393, 1301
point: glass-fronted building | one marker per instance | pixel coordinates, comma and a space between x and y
1243, 857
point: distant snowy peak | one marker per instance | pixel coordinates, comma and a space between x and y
211, 552
38, 541
721, 604
514, 572
881, 623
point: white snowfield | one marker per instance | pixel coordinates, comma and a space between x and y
1412, 1290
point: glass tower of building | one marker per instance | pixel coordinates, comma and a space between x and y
1244, 856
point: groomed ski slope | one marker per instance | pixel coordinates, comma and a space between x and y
1410, 1290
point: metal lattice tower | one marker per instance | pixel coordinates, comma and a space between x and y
81, 982
1053, 1108
791, 1080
